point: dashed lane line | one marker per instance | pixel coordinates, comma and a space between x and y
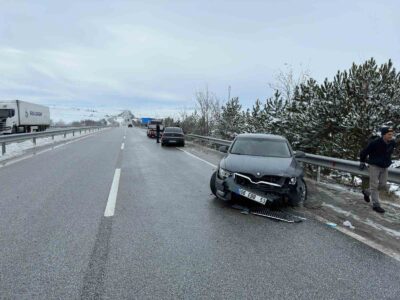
112, 198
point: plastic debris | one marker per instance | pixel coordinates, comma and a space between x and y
331, 224
348, 224
239, 207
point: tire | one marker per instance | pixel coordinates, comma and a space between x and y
183, 144
212, 183
14, 130
300, 195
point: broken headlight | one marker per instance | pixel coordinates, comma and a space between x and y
223, 174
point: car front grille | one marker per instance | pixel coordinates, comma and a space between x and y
2, 125
277, 182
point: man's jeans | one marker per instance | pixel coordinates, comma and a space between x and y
377, 182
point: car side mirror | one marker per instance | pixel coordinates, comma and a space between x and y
224, 149
299, 154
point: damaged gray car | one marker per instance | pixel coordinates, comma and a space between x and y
261, 168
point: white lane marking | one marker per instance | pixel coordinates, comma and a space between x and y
368, 221
123, 146
124, 137
112, 197
192, 155
363, 240
43, 151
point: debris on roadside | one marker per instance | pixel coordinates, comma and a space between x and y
331, 224
348, 224
278, 215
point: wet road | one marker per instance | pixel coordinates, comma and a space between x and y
167, 237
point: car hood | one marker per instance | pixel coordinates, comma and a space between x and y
277, 166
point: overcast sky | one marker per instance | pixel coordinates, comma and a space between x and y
152, 56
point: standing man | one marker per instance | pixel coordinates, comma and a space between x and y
379, 153
158, 133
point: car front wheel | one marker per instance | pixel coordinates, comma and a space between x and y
299, 196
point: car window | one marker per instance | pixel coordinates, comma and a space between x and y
260, 147
173, 130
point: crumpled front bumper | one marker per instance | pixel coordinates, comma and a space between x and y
227, 188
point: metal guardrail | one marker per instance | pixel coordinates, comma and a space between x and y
210, 139
344, 165
12, 138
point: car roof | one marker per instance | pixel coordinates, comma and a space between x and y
262, 136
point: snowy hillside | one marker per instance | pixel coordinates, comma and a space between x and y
67, 115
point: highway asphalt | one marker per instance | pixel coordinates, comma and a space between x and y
168, 237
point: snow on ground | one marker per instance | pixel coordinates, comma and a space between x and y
71, 114
19, 148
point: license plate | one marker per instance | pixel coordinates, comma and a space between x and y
172, 141
252, 196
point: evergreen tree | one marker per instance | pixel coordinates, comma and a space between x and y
257, 119
232, 119
274, 114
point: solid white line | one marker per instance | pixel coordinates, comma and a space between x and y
112, 197
123, 146
124, 137
363, 240
368, 222
192, 155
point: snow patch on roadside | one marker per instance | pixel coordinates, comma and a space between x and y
19, 148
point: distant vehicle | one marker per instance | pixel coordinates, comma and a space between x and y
173, 136
152, 127
18, 116
130, 125
260, 168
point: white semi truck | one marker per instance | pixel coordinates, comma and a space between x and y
18, 116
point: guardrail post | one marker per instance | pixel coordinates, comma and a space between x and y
34, 141
319, 174
52, 137
3, 148
73, 132
65, 135
80, 131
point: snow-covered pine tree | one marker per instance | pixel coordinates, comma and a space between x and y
372, 100
275, 114
257, 119
231, 119
302, 124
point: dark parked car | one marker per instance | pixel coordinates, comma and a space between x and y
262, 168
173, 136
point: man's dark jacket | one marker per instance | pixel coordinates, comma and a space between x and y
379, 153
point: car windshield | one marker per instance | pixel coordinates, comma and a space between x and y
260, 147
173, 130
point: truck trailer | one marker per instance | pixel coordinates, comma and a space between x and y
18, 116
152, 127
